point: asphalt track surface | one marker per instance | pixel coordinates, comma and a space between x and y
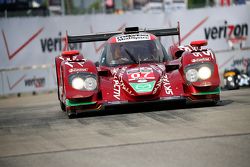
35, 133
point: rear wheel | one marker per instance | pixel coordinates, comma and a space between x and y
215, 101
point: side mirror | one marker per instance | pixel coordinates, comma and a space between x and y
97, 64
105, 73
175, 52
70, 53
172, 65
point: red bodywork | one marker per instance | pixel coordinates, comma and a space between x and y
138, 83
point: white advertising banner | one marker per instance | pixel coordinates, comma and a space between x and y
213, 24
29, 41
218, 26
19, 81
28, 46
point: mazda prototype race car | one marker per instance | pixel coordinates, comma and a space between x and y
135, 68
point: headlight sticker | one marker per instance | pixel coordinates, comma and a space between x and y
90, 83
192, 75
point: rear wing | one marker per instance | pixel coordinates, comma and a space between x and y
105, 36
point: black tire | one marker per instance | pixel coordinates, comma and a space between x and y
214, 102
71, 114
63, 107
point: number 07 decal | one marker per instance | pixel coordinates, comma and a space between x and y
141, 74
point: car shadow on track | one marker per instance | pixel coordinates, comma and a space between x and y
144, 108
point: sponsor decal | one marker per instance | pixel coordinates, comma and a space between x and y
80, 64
117, 88
54, 44
143, 87
78, 70
132, 37
226, 31
167, 85
198, 53
114, 71
67, 63
126, 89
140, 74
35, 82
123, 86
204, 53
158, 85
118, 83
122, 71
186, 48
200, 59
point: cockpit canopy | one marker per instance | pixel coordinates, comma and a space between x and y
133, 52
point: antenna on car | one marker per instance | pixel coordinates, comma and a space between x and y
179, 32
139, 61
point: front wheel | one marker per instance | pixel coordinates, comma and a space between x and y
63, 107
71, 113
214, 102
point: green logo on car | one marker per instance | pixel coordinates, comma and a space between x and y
143, 87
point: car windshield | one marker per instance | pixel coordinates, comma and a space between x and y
135, 52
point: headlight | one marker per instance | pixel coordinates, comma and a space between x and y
204, 73
199, 71
192, 75
83, 81
78, 83
90, 83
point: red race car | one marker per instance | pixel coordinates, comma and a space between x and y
135, 68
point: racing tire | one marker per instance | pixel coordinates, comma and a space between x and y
71, 114
63, 107
214, 102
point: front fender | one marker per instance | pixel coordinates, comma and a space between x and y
196, 60
70, 68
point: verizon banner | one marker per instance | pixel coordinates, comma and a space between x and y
28, 46
222, 27
27, 80
33, 43
216, 25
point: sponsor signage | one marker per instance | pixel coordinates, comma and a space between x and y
143, 87
226, 31
41, 39
132, 37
